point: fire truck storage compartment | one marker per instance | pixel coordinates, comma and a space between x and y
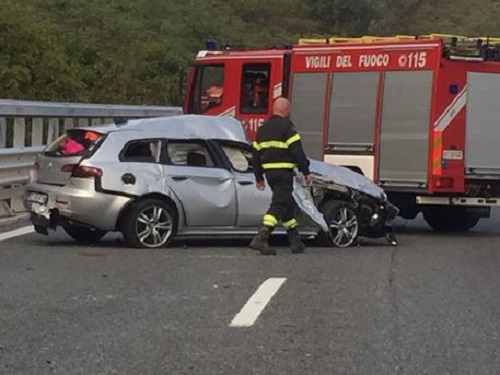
353, 102
308, 102
482, 139
351, 120
404, 138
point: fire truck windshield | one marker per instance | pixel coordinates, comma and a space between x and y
206, 91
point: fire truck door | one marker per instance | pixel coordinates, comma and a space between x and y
255, 94
308, 93
404, 138
482, 136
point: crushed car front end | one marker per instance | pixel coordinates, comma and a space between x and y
339, 196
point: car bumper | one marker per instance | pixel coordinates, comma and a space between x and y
69, 204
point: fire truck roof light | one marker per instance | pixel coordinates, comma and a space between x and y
211, 44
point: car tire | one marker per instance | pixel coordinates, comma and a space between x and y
340, 216
450, 219
149, 223
84, 235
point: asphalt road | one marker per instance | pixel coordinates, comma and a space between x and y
429, 306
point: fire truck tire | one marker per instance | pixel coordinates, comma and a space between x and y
343, 221
450, 219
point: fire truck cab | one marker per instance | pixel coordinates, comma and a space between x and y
417, 115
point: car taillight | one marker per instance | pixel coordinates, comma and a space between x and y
82, 171
68, 168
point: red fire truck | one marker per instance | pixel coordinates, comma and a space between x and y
417, 115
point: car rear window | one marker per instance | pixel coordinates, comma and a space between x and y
73, 142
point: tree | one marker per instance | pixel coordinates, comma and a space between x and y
347, 18
33, 64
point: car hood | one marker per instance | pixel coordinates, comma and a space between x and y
327, 174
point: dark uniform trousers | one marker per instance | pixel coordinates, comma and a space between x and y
282, 204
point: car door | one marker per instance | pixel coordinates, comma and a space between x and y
205, 189
252, 203
136, 170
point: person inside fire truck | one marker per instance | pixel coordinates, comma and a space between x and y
260, 89
211, 97
255, 90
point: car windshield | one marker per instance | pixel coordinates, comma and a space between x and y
73, 142
239, 157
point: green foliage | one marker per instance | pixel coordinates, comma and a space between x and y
33, 64
131, 51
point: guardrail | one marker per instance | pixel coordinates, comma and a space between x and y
26, 126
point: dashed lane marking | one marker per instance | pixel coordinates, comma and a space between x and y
257, 303
16, 233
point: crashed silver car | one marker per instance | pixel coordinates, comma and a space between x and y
161, 178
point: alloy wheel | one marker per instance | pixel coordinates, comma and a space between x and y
344, 227
154, 226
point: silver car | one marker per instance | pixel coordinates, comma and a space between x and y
160, 178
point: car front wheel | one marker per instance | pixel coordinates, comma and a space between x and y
149, 223
343, 222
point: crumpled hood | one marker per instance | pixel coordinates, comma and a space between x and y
329, 173
305, 202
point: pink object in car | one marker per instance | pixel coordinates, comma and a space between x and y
71, 147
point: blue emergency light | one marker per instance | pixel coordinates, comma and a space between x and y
211, 44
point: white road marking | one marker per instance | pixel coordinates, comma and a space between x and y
257, 302
16, 233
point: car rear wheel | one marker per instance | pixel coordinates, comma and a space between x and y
343, 222
149, 223
84, 235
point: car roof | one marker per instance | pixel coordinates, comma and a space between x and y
181, 127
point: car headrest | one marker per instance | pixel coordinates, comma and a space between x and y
196, 159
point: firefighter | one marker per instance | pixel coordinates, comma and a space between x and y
260, 88
277, 151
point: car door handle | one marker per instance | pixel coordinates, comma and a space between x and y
179, 178
128, 179
245, 183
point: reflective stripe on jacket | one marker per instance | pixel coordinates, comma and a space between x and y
278, 146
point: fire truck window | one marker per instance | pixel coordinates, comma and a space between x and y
255, 88
209, 81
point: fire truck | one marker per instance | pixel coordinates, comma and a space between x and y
419, 116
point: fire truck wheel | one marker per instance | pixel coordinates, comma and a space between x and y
450, 219
343, 221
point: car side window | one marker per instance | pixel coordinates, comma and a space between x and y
239, 157
141, 151
189, 154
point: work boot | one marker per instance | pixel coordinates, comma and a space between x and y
296, 244
260, 243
